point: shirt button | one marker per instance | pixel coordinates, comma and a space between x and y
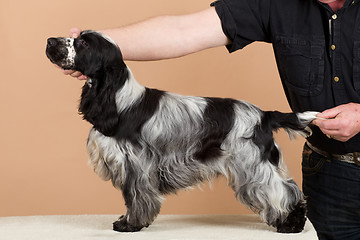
334, 16
333, 47
336, 79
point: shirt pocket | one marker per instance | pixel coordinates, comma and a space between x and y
356, 66
301, 64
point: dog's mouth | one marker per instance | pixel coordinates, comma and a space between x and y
60, 51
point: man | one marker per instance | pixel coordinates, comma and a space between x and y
317, 49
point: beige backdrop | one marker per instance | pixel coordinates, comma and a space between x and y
43, 164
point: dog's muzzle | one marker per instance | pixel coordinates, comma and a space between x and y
61, 52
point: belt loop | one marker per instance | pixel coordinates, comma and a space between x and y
319, 151
356, 159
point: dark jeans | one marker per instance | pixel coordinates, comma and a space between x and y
332, 189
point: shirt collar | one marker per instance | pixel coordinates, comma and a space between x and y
346, 4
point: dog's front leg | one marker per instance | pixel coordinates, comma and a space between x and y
143, 202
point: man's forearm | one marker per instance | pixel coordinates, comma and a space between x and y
169, 36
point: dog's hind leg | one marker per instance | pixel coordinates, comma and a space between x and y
142, 199
265, 189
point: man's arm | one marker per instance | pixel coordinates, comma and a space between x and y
167, 37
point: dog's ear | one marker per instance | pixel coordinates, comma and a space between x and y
98, 101
99, 108
113, 61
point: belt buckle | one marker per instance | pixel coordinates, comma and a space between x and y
356, 158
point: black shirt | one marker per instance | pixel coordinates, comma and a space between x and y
317, 52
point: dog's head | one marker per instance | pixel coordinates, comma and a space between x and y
92, 53
98, 57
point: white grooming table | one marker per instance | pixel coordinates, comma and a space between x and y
169, 227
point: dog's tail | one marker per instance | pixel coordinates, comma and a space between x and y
292, 122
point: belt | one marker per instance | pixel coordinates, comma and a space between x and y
353, 158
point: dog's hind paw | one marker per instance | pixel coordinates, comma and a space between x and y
295, 222
123, 226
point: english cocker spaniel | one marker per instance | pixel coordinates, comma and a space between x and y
150, 143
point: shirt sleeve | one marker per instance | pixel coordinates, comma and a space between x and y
244, 21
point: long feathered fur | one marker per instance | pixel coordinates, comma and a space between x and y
150, 143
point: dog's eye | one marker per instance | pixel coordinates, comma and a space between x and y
83, 43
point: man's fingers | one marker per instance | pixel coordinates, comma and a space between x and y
67, 72
331, 113
74, 32
76, 74
83, 77
328, 124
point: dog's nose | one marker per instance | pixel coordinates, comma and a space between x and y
51, 42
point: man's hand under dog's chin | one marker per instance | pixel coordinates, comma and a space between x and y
75, 74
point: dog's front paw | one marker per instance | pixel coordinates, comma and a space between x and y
123, 226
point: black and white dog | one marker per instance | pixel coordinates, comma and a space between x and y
150, 143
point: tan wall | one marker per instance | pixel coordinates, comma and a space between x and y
43, 164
